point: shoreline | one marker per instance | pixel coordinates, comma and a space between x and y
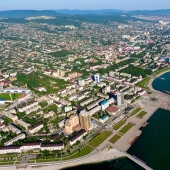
103, 156
91, 163
151, 81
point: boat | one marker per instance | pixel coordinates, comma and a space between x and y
167, 92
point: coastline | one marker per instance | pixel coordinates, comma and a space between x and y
151, 81
103, 156
155, 134
91, 163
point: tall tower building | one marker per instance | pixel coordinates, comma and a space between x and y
71, 123
97, 78
81, 82
85, 120
120, 99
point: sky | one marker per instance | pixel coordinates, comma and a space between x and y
84, 4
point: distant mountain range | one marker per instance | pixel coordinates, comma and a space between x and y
32, 13
87, 12
26, 13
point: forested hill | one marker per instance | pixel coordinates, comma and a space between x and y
87, 12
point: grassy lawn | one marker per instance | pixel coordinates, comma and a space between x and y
114, 138
118, 125
84, 151
6, 163
100, 138
6, 96
2, 107
126, 128
144, 83
141, 114
135, 111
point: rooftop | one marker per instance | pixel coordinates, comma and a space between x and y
112, 109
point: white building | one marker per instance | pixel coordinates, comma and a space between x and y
111, 101
73, 97
36, 128
11, 116
61, 123
78, 137
87, 101
50, 101
105, 104
81, 82
10, 142
95, 103
52, 147
10, 149
14, 129
97, 78
65, 102
94, 110
104, 118
106, 89
54, 97
30, 146
120, 99
81, 97
68, 108
103, 95
27, 107
23, 123
33, 109
112, 74
49, 114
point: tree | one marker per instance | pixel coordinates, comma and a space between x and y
66, 140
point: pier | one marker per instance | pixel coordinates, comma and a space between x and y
138, 161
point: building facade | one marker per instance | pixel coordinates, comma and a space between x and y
85, 120
97, 78
120, 99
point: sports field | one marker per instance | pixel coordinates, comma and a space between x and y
6, 96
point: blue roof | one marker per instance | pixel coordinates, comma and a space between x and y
104, 102
104, 117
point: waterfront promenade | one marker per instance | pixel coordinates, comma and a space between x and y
105, 155
148, 106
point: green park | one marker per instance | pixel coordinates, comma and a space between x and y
100, 138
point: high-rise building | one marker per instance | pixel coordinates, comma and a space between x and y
120, 99
97, 78
85, 120
81, 82
71, 124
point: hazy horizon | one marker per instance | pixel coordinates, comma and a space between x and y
84, 5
